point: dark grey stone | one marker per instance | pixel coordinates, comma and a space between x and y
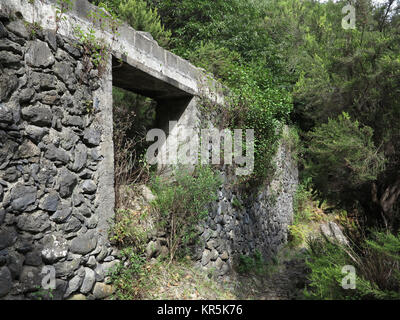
84, 244
92, 137
64, 71
77, 199
67, 182
38, 114
55, 248
63, 56
9, 59
73, 50
62, 214
8, 236
92, 222
46, 174
56, 154
85, 210
15, 263
2, 213
22, 196
30, 279
24, 244
3, 257
74, 121
50, 202
26, 95
8, 83
88, 281
18, 28
66, 269
73, 285
51, 38
91, 263
35, 133
5, 281
11, 174
43, 81
68, 139
28, 150
88, 186
33, 258
38, 54
3, 31
72, 225
49, 97
5, 113
103, 253
7, 45
59, 291
35, 222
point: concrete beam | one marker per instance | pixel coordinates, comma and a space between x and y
130, 46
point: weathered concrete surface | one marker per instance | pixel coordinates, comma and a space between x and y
154, 65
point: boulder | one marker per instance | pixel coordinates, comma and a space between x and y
88, 281
84, 244
332, 232
35, 222
102, 290
38, 114
55, 247
38, 54
5, 281
67, 182
50, 202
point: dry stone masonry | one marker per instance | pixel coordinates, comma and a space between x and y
242, 225
57, 161
50, 136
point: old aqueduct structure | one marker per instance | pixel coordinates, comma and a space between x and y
57, 159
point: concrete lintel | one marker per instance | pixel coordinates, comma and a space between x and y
130, 45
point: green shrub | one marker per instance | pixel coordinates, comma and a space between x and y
254, 263
342, 158
302, 204
376, 264
237, 204
297, 234
182, 203
128, 230
130, 277
139, 16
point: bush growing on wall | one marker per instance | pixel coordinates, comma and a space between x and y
139, 16
182, 203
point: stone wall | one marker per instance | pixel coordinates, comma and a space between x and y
56, 161
242, 225
55, 138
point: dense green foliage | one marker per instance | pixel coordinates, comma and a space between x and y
182, 204
235, 49
291, 61
343, 158
254, 263
139, 15
376, 264
130, 277
356, 71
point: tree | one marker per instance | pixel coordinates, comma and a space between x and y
357, 72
